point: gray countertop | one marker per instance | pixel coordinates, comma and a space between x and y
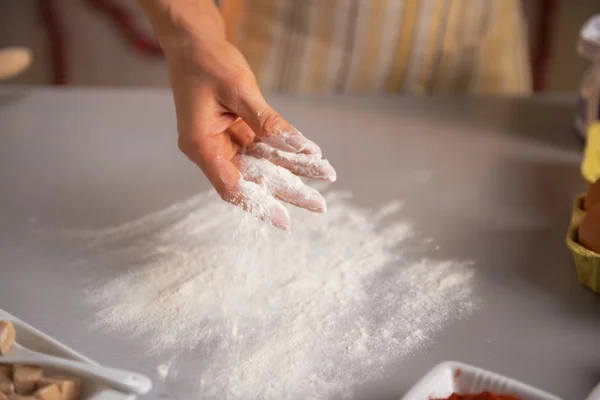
503, 175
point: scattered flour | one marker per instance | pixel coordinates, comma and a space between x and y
242, 311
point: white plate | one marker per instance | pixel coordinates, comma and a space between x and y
33, 339
450, 377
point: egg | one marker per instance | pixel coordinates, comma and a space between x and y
589, 230
592, 196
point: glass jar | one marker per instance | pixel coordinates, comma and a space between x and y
588, 107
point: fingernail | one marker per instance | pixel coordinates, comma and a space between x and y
280, 217
301, 144
279, 142
313, 149
323, 171
316, 202
259, 202
330, 173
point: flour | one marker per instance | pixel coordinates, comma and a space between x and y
242, 311
281, 183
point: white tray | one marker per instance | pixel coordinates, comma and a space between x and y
33, 339
450, 377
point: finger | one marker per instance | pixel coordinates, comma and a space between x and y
249, 196
257, 200
300, 164
241, 133
212, 153
280, 182
213, 156
268, 125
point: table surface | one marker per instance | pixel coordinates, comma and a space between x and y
503, 170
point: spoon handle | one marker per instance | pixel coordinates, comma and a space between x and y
595, 395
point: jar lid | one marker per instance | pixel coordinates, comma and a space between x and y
589, 39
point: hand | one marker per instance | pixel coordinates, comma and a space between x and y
250, 154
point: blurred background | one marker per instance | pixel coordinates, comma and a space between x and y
110, 43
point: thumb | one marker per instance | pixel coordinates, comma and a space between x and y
270, 127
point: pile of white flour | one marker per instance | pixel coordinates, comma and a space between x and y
247, 312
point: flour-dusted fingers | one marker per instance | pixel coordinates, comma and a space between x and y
252, 198
249, 196
267, 124
258, 201
305, 165
280, 182
271, 128
214, 154
287, 135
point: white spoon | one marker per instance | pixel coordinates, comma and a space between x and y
13, 61
117, 378
595, 395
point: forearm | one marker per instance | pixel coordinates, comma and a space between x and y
199, 19
221, 112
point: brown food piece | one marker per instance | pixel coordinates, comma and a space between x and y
20, 397
592, 197
589, 230
7, 336
49, 392
70, 387
6, 371
26, 378
6, 385
3, 396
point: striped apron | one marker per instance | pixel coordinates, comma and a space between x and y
362, 46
